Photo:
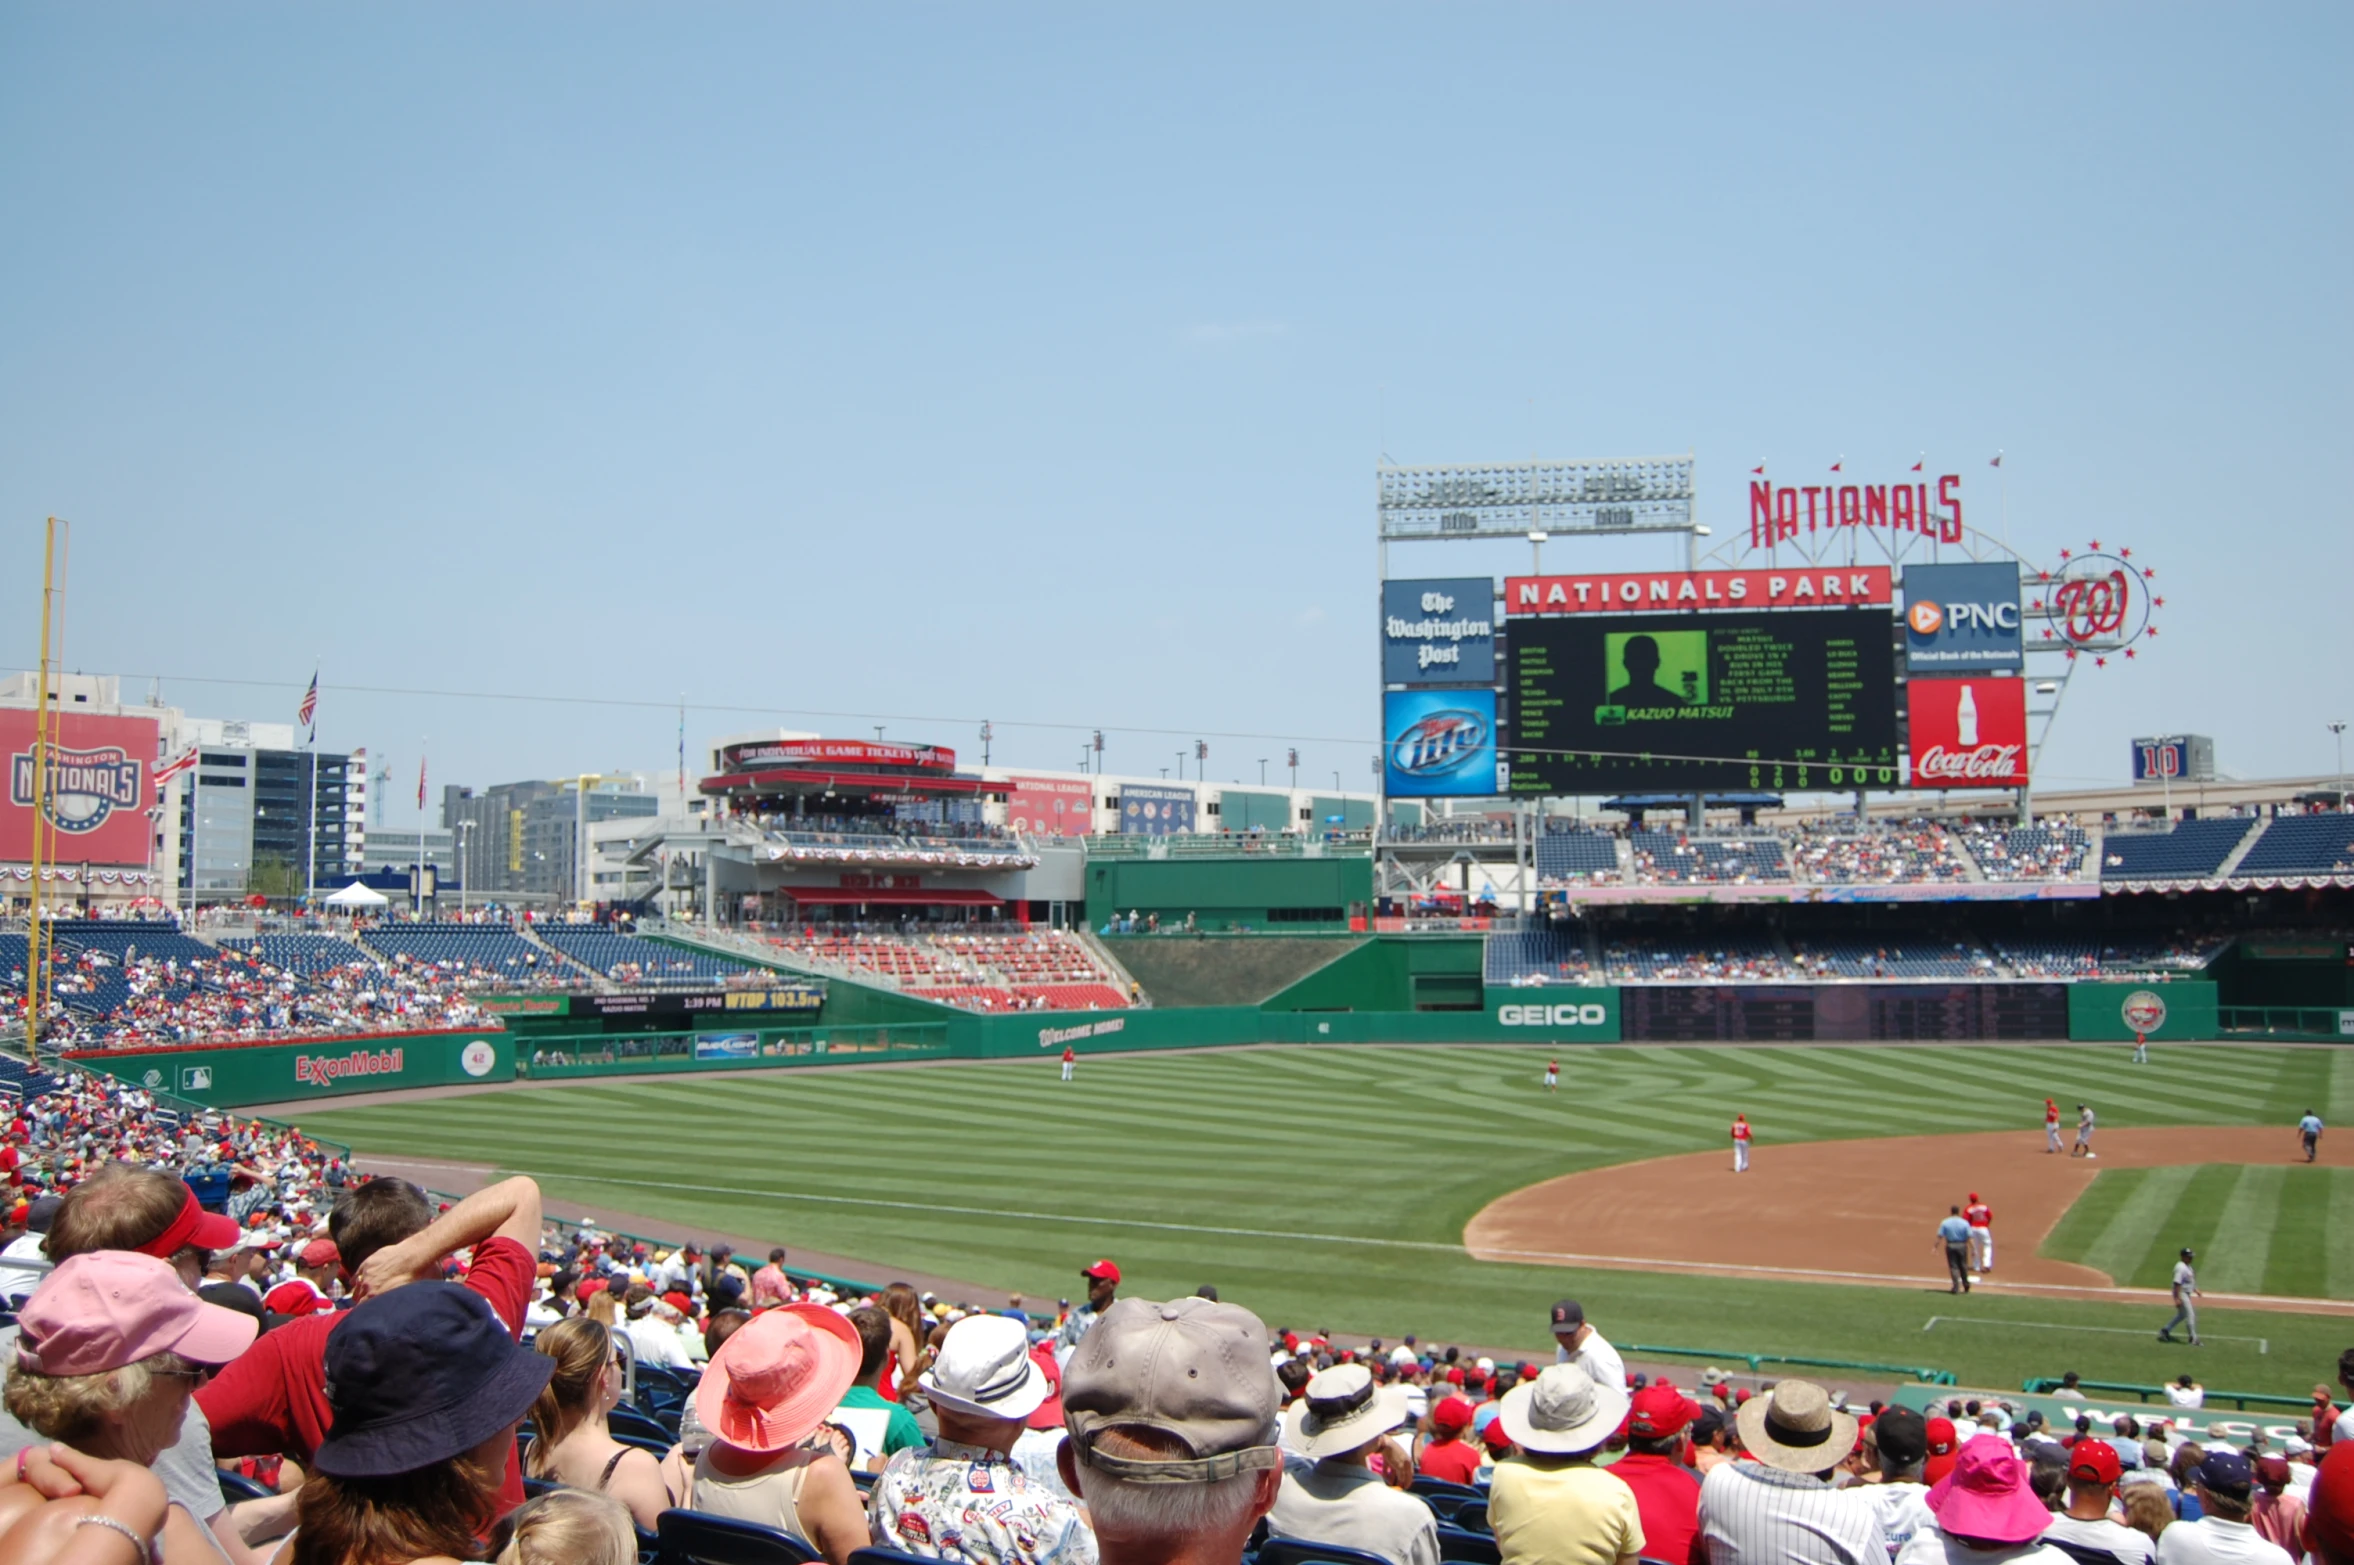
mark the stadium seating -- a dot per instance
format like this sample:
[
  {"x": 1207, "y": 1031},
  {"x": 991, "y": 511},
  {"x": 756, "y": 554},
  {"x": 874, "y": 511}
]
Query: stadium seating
[
  {"x": 302, "y": 954},
  {"x": 152, "y": 940},
  {"x": 628, "y": 959},
  {"x": 478, "y": 950},
  {"x": 1669, "y": 858},
  {"x": 1868, "y": 958},
  {"x": 2192, "y": 850},
  {"x": 1849, "y": 852},
  {"x": 1568, "y": 858},
  {"x": 2011, "y": 853},
  {"x": 1041, "y": 970},
  {"x": 2303, "y": 845},
  {"x": 1729, "y": 958},
  {"x": 1524, "y": 958}
]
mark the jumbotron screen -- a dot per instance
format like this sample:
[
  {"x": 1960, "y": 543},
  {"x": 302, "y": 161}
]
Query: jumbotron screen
[{"x": 1762, "y": 700}]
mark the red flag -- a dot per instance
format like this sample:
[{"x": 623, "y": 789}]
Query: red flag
[
  {"x": 420, "y": 782},
  {"x": 1836, "y": 466},
  {"x": 1916, "y": 467},
  {"x": 1998, "y": 460},
  {"x": 1759, "y": 470}
]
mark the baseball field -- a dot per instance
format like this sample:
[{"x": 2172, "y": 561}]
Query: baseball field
[{"x": 1334, "y": 1187}]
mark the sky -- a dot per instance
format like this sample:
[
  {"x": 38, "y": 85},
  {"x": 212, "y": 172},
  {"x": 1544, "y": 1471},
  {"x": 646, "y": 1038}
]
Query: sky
[{"x": 528, "y": 369}]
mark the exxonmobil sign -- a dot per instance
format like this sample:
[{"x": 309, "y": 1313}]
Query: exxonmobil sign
[
  {"x": 324, "y": 1070},
  {"x": 1620, "y": 592},
  {"x": 1966, "y": 733}
]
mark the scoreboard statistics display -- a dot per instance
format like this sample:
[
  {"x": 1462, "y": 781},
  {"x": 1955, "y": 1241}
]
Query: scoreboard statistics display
[{"x": 1766, "y": 700}]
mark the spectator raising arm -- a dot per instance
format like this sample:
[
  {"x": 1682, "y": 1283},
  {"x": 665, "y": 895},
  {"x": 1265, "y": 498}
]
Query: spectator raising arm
[{"x": 509, "y": 1209}]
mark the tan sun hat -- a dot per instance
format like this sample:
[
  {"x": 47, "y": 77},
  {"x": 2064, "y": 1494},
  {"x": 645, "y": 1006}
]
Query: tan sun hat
[
  {"x": 1342, "y": 1410},
  {"x": 1564, "y": 1409},
  {"x": 1794, "y": 1427}
]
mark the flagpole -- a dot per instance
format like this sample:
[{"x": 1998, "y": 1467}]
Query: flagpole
[{"x": 310, "y": 836}]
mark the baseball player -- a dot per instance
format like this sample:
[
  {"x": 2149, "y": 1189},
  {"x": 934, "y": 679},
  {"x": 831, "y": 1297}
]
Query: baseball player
[
  {"x": 2084, "y": 1120},
  {"x": 2309, "y": 1131},
  {"x": 2051, "y": 1126},
  {"x": 2186, "y": 1288},
  {"x": 1070, "y": 1060},
  {"x": 1980, "y": 1217},
  {"x": 2141, "y": 1048},
  {"x": 1552, "y": 1075},
  {"x": 1740, "y": 1143}
]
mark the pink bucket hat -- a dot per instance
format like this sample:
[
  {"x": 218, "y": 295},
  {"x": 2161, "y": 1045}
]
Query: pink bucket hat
[
  {"x": 778, "y": 1377},
  {"x": 1986, "y": 1495},
  {"x": 109, "y": 1308}
]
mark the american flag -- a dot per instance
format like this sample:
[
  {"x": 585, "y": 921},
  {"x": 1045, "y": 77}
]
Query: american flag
[
  {"x": 173, "y": 768},
  {"x": 310, "y": 703}
]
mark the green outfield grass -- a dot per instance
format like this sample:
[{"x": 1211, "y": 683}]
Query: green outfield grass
[
  {"x": 2257, "y": 1228},
  {"x": 1328, "y": 1187}
]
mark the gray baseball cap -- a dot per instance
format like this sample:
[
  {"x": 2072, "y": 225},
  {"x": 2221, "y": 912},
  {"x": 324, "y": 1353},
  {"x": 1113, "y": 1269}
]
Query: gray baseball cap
[{"x": 1193, "y": 1369}]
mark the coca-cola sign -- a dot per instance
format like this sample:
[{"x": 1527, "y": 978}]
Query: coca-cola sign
[{"x": 1966, "y": 733}]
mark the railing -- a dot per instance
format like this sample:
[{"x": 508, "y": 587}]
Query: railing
[
  {"x": 2287, "y": 1021},
  {"x": 2052, "y": 1385},
  {"x": 1927, "y": 1377}
]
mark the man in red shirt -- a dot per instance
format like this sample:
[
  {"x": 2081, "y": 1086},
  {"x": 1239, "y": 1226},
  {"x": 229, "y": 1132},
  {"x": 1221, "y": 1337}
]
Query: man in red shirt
[
  {"x": 1656, "y": 1467},
  {"x": 1980, "y": 1217},
  {"x": 1449, "y": 1455},
  {"x": 273, "y": 1400},
  {"x": 1740, "y": 1143}
]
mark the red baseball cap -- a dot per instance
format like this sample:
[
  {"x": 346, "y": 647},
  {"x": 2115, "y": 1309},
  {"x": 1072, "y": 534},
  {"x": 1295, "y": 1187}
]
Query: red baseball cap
[
  {"x": 681, "y": 1303},
  {"x": 2094, "y": 1461},
  {"x": 1451, "y": 1413},
  {"x": 1102, "y": 1271},
  {"x": 321, "y": 1252},
  {"x": 1660, "y": 1411},
  {"x": 1455, "y": 1375}
]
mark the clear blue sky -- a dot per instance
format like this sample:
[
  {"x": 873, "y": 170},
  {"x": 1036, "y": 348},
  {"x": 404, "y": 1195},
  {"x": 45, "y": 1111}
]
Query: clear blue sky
[{"x": 1032, "y": 363}]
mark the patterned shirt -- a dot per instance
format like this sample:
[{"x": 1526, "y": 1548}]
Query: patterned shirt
[
  {"x": 965, "y": 1502},
  {"x": 1751, "y": 1514}
]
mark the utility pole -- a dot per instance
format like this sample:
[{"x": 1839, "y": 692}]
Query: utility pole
[
  {"x": 39, "y": 941},
  {"x": 2338, "y": 732},
  {"x": 1262, "y": 771}
]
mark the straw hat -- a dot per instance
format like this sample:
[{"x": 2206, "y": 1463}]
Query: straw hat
[{"x": 1795, "y": 1428}]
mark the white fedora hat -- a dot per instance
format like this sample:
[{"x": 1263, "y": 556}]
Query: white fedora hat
[
  {"x": 1343, "y": 1409},
  {"x": 1563, "y": 1409}
]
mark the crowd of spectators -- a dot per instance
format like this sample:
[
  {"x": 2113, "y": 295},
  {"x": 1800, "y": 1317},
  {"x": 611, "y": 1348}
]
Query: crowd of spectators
[
  {"x": 389, "y": 1378},
  {"x": 981, "y": 967},
  {"x": 1846, "y": 851}
]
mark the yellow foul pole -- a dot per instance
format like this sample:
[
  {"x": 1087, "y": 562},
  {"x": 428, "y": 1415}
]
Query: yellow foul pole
[{"x": 39, "y": 940}]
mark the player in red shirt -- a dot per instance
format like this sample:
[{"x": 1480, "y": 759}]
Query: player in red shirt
[
  {"x": 273, "y": 1400},
  {"x": 2051, "y": 1126},
  {"x": 1980, "y": 1217},
  {"x": 1070, "y": 1060},
  {"x": 1740, "y": 1143}
]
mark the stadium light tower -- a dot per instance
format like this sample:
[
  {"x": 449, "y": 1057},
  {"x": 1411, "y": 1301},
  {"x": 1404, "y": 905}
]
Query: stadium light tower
[
  {"x": 1536, "y": 551},
  {"x": 2338, "y": 732}
]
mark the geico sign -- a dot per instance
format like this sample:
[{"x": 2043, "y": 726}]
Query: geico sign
[{"x": 1552, "y": 1015}]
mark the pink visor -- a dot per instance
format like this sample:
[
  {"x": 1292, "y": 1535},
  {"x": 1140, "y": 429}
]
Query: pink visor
[{"x": 109, "y": 1308}]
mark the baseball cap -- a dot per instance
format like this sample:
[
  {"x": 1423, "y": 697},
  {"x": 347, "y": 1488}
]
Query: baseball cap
[
  {"x": 1451, "y": 1413},
  {"x": 1660, "y": 1411},
  {"x": 2094, "y": 1461},
  {"x": 1568, "y": 1315},
  {"x": 321, "y": 1252},
  {"x": 107, "y": 1308},
  {"x": 1102, "y": 1271},
  {"x": 2225, "y": 1471},
  {"x": 1190, "y": 1369},
  {"x": 2273, "y": 1469},
  {"x": 1902, "y": 1435},
  {"x": 193, "y": 1225}
]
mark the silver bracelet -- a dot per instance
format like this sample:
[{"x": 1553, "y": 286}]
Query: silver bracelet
[{"x": 144, "y": 1546}]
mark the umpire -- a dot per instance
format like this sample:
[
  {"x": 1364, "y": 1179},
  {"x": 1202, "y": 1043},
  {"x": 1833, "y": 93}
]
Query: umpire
[{"x": 1954, "y": 1234}]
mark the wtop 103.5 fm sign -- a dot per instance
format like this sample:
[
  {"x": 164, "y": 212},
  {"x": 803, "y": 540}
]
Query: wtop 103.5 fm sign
[
  {"x": 1439, "y": 744},
  {"x": 1962, "y": 619},
  {"x": 1438, "y": 632}
]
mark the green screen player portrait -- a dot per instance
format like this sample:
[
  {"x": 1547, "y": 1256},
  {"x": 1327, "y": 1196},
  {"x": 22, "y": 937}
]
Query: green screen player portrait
[{"x": 1653, "y": 669}]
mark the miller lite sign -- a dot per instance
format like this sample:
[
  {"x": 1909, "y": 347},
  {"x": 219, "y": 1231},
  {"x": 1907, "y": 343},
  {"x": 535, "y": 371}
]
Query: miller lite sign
[
  {"x": 1439, "y": 744},
  {"x": 1966, "y": 733},
  {"x": 96, "y": 792}
]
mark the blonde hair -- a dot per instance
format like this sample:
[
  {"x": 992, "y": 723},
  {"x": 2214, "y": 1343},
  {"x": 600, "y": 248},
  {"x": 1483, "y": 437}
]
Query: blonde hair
[
  {"x": 603, "y": 1309},
  {"x": 74, "y": 1408},
  {"x": 571, "y": 1527},
  {"x": 581, "y": 1349}
]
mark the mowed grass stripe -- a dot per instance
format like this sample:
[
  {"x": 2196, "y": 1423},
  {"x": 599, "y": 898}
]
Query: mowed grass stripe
[
  {"x": 2239, "y": 1250},
  {"x": 2123, "y": 1241},
  {"x": 2338, "y": 1257},
  {"x": 2297, "y": 1257}
]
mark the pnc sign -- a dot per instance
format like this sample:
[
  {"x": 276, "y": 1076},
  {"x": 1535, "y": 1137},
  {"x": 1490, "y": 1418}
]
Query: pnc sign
[{"x": 1962, "y": 619}]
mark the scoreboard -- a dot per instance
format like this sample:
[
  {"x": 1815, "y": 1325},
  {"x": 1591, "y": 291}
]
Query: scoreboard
[{"x": 1765, "y": 700}]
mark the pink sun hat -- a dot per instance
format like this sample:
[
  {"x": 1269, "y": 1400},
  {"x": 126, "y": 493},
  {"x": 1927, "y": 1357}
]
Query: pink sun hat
[
  {"x": 777, "y": 1378},
  {"x": 102, "y": 1310},
  {"x": 1987, "y": 1496}
]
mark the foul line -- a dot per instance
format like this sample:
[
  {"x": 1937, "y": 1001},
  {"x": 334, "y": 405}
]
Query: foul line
[
  {"x": 2263, "y": 1344},
  {"x": 1645, "y": 1262}
]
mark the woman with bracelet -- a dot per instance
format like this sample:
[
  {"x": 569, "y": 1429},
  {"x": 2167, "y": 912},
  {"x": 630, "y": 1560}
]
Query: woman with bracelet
[
  {"x": 427, "y": 1388},
  {"x": 108, "y": 1350},
  {"x": 61, "y": 1507}
]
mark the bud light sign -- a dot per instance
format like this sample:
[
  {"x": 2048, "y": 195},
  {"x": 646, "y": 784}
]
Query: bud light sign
[
  {"x": 1961, "y": 619},
  {"x": 1439, "y": 744},
  {"x": 1966, "y": 733}
]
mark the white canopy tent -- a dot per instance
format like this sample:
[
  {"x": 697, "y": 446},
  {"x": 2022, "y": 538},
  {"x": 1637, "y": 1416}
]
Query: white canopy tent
[{"x": 356, "y": 897}]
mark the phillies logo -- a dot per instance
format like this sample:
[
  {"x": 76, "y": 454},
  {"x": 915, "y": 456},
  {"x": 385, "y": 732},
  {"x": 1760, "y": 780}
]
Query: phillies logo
[
  {"x": 82, "y": 789},
  {"x": 1987, "y": 763}
]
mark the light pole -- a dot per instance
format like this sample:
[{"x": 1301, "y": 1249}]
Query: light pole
[
  {"x": 465, "y": 867},
  {"x": 1262, "y": 771},
  {"x": 1536, "y": 551},
  {"x": 2338, "y": 732}
]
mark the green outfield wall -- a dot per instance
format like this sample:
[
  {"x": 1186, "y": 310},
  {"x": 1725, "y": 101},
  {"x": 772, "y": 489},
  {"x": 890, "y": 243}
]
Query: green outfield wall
[
  {"x": 1265, "y": 894},
  {"x": 2115, "y": 1012},
  {"x": 233, "y": 1075}
]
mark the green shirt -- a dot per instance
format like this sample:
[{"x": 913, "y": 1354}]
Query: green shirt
[{"x": 899, "y": 1428}]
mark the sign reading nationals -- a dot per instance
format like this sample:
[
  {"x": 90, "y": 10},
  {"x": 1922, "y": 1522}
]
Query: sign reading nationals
[
  {"x": 1655, "y": 590},
  {"x": 1779, "y": 511}
]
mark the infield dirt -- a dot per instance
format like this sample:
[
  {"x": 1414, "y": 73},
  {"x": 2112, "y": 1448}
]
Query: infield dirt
[{"x": 1856, "y": 1211}]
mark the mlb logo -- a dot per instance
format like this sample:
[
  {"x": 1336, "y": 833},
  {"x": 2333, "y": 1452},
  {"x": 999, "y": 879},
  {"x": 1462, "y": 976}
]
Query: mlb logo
[{"x": 196, "y": 1078}]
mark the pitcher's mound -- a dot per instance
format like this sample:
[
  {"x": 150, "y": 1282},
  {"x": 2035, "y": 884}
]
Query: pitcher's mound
[{"x": 1846, "y": 1211}]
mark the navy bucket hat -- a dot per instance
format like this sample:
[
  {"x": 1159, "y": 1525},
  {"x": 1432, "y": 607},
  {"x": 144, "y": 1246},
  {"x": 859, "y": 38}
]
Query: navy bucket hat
[{"x": 419, "y": 1375}]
